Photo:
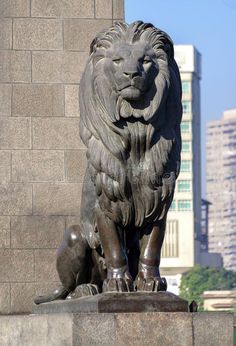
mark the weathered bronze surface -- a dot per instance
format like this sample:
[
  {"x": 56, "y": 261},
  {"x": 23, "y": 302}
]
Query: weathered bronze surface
[{"x": 130, "y": 113}]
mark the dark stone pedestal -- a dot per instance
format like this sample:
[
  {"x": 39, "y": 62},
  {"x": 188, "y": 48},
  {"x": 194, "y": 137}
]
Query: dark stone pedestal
[{"x": 117, "y": 303}]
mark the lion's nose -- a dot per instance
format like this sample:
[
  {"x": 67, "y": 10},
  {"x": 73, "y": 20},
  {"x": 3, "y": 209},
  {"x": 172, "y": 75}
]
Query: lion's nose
[
  {"x": 131, "y": 68},
  {"x": 131, "y": 74}
]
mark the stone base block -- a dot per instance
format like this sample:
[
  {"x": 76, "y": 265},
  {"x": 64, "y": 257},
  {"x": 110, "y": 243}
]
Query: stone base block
[{"x": 118, "y": 329}]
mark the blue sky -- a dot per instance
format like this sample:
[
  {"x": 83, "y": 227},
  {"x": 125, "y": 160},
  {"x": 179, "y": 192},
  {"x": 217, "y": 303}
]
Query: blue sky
[{"x": 210, "y": 25}]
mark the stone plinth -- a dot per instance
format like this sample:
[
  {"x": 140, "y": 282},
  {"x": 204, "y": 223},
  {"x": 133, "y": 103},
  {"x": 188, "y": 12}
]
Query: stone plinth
[
  {"x": 118, "y": 329},
  {"x": 117, "y": 303}
]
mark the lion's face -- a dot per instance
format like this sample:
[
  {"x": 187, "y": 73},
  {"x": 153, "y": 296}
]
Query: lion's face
[
  {"x": 131, "y": 68},
  {"x": 129, "y": 74}
]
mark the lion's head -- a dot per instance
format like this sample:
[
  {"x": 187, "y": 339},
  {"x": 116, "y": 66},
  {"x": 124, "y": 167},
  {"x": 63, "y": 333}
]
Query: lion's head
[
  {"x": 131, "y": 65},
  {"x": 130, "y": 72}
]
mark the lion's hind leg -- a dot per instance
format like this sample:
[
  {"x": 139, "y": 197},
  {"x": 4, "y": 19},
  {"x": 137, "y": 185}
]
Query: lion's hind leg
[
  {"x": 71, "y": 265},
  {"x": 74, "y": 259},
  {"x": 83, "y": 290},
  {"x": 59, "y": 293}
]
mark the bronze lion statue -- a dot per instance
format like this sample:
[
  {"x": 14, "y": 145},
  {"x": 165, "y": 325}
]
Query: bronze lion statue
[{"x": 130, "y": 109}]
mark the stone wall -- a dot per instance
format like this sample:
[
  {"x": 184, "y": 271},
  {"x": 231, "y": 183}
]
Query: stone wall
[
  {"x": 43, "y": 49},
  {"x": 106, "y": 329}
]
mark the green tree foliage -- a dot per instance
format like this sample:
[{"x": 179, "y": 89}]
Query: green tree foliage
[{"x": 200, "y": 279}]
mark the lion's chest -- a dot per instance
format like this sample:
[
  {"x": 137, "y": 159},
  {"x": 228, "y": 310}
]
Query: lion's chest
[
  {"x": 138, "y": 158},
  {"x": 142, "y": 177},
  {"x": 128, "y": 190}
]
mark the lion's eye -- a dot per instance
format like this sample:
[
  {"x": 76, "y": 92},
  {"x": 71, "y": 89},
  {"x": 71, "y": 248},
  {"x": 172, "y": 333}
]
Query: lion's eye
[
  {"x": 146, "y": 60},
  {"x": 117, "y": 60}
]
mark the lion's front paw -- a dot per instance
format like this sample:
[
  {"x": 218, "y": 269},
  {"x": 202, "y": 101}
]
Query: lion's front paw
[
  {"x": 118, "y": 285},
  {"x": 153, "y": 284},
  {"x": 83, "y": 291}
]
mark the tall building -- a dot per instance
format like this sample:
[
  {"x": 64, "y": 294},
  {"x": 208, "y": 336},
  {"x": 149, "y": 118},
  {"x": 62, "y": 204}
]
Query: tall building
[
  {"x": 221, "y": 186},
  {"x": 182, "y": 244},
  {"x": 204, "y": 225}
]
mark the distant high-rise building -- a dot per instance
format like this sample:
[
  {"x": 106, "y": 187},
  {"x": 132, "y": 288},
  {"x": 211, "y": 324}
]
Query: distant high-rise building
[
  {"x": 221, "y": 186},
  {"x": 182, "y": 245},
  {"x": 204, "y": 225}
]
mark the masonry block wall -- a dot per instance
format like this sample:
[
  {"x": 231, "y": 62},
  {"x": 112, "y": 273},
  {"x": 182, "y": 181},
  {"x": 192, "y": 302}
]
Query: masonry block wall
[{"x": 43, "y": 48}]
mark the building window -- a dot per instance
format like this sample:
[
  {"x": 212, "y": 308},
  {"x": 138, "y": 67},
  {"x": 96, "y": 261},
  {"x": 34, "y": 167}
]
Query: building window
[
  {"x": 186, "y": 87},
  {"x": 173, "y": 206},
  {"x": 185, "y": 166},
  {"x": 186, "y": 107},
  {"x": 184, "y": 185},
  {"x": 170, "y": 246},
  {"x": 186, "y": 146},
  {"x": 185, "y": 205},
  {"x": 185, "y": 126}
]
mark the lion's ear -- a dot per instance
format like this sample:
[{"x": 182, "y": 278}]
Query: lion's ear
[
  {"x": 169, "y": 50},
  {"x": 96, "y": 42},
  {"x": 93, "y": 46},
  {"x": 167, "y": 45}
]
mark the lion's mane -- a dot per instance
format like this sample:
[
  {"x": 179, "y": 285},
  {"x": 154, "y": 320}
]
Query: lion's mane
[{"x": 120, "y": 135}]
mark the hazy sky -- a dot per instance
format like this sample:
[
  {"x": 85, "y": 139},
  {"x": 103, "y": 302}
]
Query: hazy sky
[{"x": 210, "y": 25}]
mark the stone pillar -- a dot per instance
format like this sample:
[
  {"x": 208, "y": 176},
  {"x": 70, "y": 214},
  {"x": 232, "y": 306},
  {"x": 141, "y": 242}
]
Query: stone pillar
[{"x": 43, "y": 49}]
